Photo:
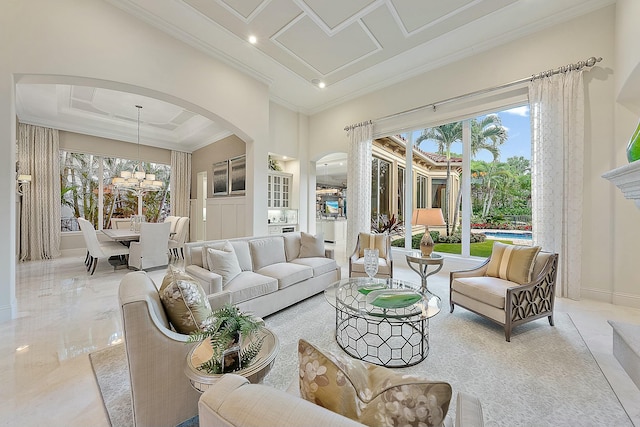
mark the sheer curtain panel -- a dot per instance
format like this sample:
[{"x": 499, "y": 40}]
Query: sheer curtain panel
[
  {"x": 180, "y": 182},
  {"x": 38, "y": 154},
  {"x": 557, "y": 133},
  {"x": 359, "y": 182}
]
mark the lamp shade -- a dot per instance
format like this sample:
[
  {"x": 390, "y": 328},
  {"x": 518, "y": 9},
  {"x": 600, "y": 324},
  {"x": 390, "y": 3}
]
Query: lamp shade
[{"x": 427, "y": 216}]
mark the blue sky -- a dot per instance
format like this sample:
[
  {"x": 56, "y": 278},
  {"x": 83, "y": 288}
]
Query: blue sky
[{"x": 516, "y": 120}]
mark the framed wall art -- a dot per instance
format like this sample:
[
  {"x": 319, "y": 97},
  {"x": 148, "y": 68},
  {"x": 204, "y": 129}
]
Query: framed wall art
[
  {"x": 237, "y": 175},
  {"x": 221, "y": 178}
]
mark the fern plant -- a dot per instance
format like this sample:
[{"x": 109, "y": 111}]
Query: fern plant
[{"x": 226, "y": 326}]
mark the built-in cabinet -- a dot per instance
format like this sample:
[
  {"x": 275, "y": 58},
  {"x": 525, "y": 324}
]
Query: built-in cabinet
[{"x": 279, "y": 189}]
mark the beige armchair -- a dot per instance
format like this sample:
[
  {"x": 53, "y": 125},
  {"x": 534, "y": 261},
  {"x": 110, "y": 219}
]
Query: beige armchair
[
  {"x": 505, "y": 302},
  {"x": 152, "y": 249},
  {"x": 161, "y": 393},
  {"x": 382, "y": 242}
]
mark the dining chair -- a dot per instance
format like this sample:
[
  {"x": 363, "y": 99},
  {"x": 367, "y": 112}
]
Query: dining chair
[
  {"x": 121, "y": 223},
  {"x": 97, "y": 249},
  {"x": 173, "y": 220},
  {"x": 151, "y": 250},
  {"x": 178, "y": 240}
]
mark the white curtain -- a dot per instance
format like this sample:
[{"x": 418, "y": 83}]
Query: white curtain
[
  {"x": 38, "y": 155},
  {"x": 557, "y": 132},
  {"x": 359, "y": 182},
  {"x": 180, "y": 183}
]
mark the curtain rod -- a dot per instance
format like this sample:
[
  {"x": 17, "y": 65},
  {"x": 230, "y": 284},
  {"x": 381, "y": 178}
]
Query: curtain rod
[
  {"x": 564, "y": 69},
  {"x": 357, "y": 125}
]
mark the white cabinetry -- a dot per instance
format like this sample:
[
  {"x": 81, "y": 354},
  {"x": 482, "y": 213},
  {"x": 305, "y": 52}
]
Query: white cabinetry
[{"x": 279, "y": 190}]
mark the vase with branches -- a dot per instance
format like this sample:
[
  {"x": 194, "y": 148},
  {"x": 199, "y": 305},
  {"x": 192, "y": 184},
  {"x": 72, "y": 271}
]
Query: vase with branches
[{"x": 227, "y": 328}]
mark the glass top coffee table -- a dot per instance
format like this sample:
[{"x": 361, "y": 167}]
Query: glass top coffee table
[{"x": 385, "y": 322}]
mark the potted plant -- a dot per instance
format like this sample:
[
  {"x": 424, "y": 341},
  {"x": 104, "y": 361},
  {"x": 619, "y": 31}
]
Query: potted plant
[{"x": 226, "y": 329}]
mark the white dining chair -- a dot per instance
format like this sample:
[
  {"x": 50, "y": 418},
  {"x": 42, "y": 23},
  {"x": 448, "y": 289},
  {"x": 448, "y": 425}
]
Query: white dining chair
[
  {"x": 177, "y": 241},
  {"x": 151, "y": 250},
  {"x": 97, "y": 249}
]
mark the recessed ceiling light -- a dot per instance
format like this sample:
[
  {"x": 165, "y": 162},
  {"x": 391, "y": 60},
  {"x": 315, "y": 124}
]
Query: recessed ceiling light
[
  {"x": 318, "y": 83},
  {"x": 253, "y": 39},
  {"x": 284, "y": 157}
]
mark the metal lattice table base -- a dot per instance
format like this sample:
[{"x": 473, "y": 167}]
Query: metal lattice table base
[{"x": 385, "y": 341}]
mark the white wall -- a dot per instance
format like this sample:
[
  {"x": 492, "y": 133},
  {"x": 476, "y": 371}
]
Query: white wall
[
  {"x": 91, "y": 42},
  {"x": 608, "y": 271}
]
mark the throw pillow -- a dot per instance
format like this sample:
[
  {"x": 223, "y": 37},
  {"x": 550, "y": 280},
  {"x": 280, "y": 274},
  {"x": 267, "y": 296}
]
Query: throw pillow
[
  {"x": 311, "y": 246},
  {"x": 184, "y": 301},
  {"x": 370, "y": 394},
  {"x": 224, "y": 262},
  {"x": 512, "y": 262},
  {"x": 373, "y": 241}
]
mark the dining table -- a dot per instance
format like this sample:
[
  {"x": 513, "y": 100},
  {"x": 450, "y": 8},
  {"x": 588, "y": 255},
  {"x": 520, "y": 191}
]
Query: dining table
[{"x": 122, "y": 235}]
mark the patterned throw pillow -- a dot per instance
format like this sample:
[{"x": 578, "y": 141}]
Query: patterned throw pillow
[
  {"x": 184, "y": 301},
  {"x": 512, "y": 262},
  {"x": 370, "y": 394},
  {"x": 311, "y": 246}
]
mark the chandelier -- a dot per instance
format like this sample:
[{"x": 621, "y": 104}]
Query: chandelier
[{"x": 137, "y": 180}]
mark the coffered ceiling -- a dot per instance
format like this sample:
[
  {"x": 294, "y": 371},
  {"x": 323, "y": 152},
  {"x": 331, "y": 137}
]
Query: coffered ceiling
[{"x": 353, "y": 46}]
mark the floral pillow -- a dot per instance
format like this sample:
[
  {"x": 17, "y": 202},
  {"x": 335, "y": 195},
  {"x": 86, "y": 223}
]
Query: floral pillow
[
  {"x": 370, "y": 394},
  {"x": 184, "y": 301}
]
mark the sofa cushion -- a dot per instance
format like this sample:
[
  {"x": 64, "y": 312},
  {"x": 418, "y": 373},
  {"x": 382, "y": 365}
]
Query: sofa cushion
[
  {"x": 240, "y": 247},
  {"x": 512, "y": 262},
  {"x": 311, "y": 246},
  {"x": 320, "y": 265},
  {"x": 373, "y": 241},
  {"x": 287, "y": 273},
  {"x": 489, "y": 290},
  {"x": 370, "y": 394},
  {"x": 267, "y": 251},
  {"x": 184, "y": 301},
  {"x": 248, "y": 285},
  {"x": 292, "y": 245},
  {"x": 223, "y": 262}
]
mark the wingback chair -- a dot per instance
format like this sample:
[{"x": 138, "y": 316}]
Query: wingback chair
[
  {"x": 382, "y": 242},
  {"x": 151, "y": 250},
  {"x": 97, "y": 249},
  {"x": 506, "y": 302},
  {"x": 160, "y": 391},
  {"x": 177, "y": 241}
]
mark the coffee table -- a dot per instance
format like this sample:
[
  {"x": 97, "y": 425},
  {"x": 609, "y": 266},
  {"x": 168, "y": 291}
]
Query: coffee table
[
  {"x": 383, "y": 321},
  {"x": 255, "y": 373}
]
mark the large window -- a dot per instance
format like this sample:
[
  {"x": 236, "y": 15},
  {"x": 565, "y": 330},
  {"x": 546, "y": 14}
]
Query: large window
[
  {"x": 421, "y": 191},
  {"x": 86, "y": 191},
  {"x": 380, "y": 188}
]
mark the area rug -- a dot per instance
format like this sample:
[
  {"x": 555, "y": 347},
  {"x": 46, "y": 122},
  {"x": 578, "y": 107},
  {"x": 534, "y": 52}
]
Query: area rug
[{"x": 544, "y": 376}]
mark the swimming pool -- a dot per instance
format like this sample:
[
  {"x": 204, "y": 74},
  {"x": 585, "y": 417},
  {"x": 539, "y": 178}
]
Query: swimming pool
[{"x": 508, "y": 235}]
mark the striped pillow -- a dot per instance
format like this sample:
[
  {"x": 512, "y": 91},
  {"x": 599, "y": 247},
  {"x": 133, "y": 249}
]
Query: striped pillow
[{"x": 512, "y": 262}]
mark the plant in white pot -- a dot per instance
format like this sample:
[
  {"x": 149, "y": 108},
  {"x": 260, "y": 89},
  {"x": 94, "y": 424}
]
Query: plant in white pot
[{"x": 227, "y": 328}]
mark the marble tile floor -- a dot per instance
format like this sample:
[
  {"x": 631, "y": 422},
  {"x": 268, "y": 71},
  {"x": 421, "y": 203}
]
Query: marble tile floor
[{"x": 64, "y": 314}]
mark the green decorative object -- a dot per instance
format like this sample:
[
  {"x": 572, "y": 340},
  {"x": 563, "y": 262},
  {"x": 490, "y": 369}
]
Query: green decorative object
[
  {"x": 365, "y": 289},
  {"x": 633, "y": 149},
  {"x": 395, "y": 299}
]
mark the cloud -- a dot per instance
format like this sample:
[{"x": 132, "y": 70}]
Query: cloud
[{"x": 519, "y": 111}]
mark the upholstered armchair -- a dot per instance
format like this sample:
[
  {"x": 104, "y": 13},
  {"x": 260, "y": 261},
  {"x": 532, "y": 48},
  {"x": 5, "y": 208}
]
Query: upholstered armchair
[
  {"x": 152, "y": 249},
  {"x": 161, "y": 393},
  {"x": 505, "y": 301},
  {"x": 382, "y": 242}
]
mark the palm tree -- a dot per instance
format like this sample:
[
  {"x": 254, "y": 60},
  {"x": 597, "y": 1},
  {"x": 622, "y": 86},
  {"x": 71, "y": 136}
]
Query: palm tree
[{"x": 444, "y": 136}]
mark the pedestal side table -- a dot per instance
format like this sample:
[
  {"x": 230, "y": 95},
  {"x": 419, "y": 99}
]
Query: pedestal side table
[{"x": 421, "y": 265}]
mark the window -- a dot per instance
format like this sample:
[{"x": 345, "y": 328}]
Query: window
[
  {"x": 86, "y": 191},
  {"x": 438, "y": 189},
  {"x": 380, "y": 188},
  {"x": 421, "y": 191},
  {"x": 401, "y": 191}
]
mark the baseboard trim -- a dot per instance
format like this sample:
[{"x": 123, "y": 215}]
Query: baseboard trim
[
  {"x": 6, "y": 313},
  {"x": 615, "y": 298}
]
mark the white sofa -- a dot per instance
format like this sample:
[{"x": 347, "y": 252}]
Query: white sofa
[
  {"x": 234, "y": 402},
  {"x": 274, "y": 274}
]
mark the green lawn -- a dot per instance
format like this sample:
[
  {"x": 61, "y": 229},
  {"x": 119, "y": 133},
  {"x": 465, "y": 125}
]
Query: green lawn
[{"x": 477, "y": 249}]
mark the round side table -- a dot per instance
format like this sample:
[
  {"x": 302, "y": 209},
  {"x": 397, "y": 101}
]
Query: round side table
[
  {"x": 421, "y": 265},
  {"x": 260, "y": 367}
]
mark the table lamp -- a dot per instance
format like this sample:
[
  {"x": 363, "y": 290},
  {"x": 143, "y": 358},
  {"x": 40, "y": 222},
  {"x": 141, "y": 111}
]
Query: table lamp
[{"x": 427, "y": 217}]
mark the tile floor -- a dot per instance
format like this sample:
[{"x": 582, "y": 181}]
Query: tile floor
[{"x": 64, "y": 314}]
